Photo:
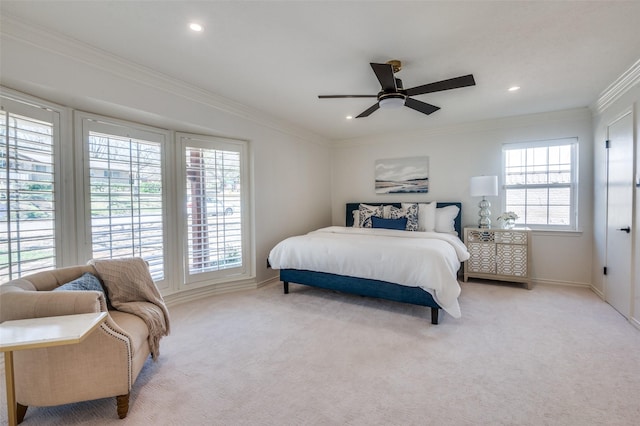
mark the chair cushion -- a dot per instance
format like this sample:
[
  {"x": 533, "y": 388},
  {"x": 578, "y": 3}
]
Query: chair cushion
[{"x": 134, "y": 326}]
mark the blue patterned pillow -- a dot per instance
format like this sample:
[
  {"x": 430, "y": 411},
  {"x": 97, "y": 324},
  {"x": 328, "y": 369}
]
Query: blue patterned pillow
[
  {"x": 86, "y": 282},
  {"x": 411, "y": 213},
  {"x": 412, "y": 217},
  {"x": 400, "y": 223},
  {"x": 366, "y": 212},
  {"x": 396, "y": 212}
]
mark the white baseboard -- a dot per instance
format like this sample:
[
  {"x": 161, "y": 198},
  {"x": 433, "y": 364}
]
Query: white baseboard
[
  {"x": 215, "y": 289},
  {"x": 210, "y": 290},
  {"x": 556, "y": 282},
  {"x": 269, "y": 281},
  {"x": 598, "y": 292},
  {"x": 635, "y": 322}
]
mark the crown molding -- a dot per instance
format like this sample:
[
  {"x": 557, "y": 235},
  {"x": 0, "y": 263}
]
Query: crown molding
[
  {"x": 58, "y": 44},
  {"x": 619, "y": 87},
  {"x": 480, "y": 126}
]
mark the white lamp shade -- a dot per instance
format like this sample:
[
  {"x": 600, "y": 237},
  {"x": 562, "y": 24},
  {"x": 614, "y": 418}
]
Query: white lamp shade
[{"x": 484, "y": 186}]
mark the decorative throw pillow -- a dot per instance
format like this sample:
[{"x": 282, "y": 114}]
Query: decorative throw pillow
[
  {"x": 411, "y": 213},
  {"x": 366, "y": 212},
  {"x": 445, "y": 217},
  {"x": 396, "y": 213},
  {"x": 399, "y": 224},
  {"x": 86, "y": 282}
]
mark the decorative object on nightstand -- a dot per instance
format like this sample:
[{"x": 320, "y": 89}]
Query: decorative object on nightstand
[
  {"x": 499, "y": 254},
  {"x": 484, "y": 186},
  {"x": 508, "y": 220}
]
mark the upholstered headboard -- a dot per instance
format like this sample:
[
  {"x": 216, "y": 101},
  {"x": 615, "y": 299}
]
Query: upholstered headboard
[{"x": 457, "y": 224}]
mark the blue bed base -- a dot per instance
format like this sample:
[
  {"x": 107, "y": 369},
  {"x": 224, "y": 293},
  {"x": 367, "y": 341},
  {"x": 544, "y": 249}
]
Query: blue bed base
[{"x": 366, "y": 287}]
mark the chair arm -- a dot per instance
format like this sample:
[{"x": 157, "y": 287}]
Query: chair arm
[{"x": 36, "y": 304}]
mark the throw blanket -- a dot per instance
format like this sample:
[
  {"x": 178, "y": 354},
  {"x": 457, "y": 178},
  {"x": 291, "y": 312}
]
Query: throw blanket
[{"x": 129, "y": 285}]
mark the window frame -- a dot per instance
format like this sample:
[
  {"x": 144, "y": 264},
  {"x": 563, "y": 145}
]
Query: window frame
[
  {"x": 573, "y": 142},
  {"x": 245, "y": 272},
  {"x": 64, "y": 215},
  {"x": 86, "y": 122}
]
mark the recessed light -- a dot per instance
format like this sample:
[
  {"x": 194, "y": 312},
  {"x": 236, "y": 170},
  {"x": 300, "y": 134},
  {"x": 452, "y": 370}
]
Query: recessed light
[
  {"x": 196, "y": 27},
  {"x": 514, "y": 88},
  {"x": 349, "y": 117}
]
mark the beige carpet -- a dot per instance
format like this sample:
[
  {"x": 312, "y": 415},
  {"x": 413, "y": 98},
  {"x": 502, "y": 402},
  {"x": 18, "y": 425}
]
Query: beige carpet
[{"x": 549, "y": 356}]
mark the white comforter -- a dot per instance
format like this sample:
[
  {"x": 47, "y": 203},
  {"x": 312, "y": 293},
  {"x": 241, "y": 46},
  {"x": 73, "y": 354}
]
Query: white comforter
[{"x": 428, "y": 260}]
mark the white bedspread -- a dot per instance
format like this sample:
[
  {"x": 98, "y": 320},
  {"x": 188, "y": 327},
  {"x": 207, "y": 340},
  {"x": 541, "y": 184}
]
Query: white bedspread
[{"x": 428, "y": 260}]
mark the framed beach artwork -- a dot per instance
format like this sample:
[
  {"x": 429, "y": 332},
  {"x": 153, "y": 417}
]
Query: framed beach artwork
[{"x": 402, "y": 175}]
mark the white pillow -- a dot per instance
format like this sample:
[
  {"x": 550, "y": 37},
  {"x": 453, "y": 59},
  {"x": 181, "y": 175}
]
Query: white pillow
[
  {"x": 356, "y": 218},
  {"x": 445, "y": 217},
  {"x": 426, "y": 216},
  {"x": 386, "y": 211}
]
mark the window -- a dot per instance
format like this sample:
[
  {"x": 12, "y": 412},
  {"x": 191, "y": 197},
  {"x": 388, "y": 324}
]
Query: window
[
  {"x": 28, "y": 141},
  {"x": 540, "y": 180},
  {"x": 216, "y": 237},
  {"x": 104, "y": 188},
  {"x": 125, "y": 191}
]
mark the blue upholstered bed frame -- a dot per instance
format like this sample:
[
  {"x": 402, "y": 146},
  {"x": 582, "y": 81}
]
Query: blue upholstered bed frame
[{"x": 367, "y": 287}]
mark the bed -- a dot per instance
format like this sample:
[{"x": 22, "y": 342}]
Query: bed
[{"x": 424, "y": 291}]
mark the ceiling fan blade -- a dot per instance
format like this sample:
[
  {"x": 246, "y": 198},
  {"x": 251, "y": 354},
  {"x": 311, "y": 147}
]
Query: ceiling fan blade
[
  {"x": 346, "y": 96},
  {"x": 420, "y": 106},
  {"x": 384, "y": 72},
  {"x": 452, "y": 83},
  {"x": 368, "y": 112}
]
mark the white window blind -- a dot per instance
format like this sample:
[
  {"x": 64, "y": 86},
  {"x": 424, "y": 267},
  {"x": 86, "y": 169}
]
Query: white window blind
[
  {"x": 125, "y": 196},
  {"x": 27, "y": 190},
  {"x": 540, "y": 183},
  {"x": 215, "y": 236}
]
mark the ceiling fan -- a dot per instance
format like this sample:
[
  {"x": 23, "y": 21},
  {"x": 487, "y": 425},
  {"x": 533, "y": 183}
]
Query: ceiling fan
[{"x": 393, "y": 95}]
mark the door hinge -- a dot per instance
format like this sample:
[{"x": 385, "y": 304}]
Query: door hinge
[
  {"x": 604, "y": 270},
  {"x": 607, "y": 144}
]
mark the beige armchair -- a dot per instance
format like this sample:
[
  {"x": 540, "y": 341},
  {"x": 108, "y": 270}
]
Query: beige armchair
[{"x": 105, "y": 364}]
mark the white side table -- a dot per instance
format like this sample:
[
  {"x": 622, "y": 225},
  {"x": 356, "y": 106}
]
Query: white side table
[{"x": 43, "y": 332}]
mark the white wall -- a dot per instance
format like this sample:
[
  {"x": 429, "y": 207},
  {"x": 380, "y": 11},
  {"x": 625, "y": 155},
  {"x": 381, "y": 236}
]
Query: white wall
[
  {"x": 290, "y": 167},
  {"x": 458, "y": 153},
  {"x": 605, "y": 115}
]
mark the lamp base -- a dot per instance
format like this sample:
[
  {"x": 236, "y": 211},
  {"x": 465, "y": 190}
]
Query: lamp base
[{"x": 484, "y": 213}]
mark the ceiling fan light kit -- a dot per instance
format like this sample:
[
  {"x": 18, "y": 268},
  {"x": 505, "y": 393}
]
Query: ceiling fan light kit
[
  {"x": 391, "y": 102},
  {"x": 393, "y": 95}
]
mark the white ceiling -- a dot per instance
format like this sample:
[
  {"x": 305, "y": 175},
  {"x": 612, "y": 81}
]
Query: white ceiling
[{"x": 279, "y": 56}]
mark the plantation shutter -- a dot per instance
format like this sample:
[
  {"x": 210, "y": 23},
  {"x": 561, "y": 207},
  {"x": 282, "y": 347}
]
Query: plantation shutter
[
  {"x": 126, "y": 194},
  {"x": 215, "y": 236},
  {"x": 28, "y": 141}
]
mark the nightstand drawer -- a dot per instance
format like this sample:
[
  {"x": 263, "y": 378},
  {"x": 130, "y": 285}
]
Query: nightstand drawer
[
  {"x": 511, "y": 237},
  {"x": 478, "y": 236}
]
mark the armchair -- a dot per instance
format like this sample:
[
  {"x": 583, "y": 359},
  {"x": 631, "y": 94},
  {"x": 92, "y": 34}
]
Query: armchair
[{"x": 105, "y": 364}]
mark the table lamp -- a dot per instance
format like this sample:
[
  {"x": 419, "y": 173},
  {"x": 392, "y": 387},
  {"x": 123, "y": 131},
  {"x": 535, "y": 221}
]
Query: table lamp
[{"x": 484, "y": 186}]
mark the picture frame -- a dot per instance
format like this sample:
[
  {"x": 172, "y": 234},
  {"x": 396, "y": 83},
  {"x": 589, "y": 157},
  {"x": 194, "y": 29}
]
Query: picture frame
[{"x": 402, "y": 175}]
